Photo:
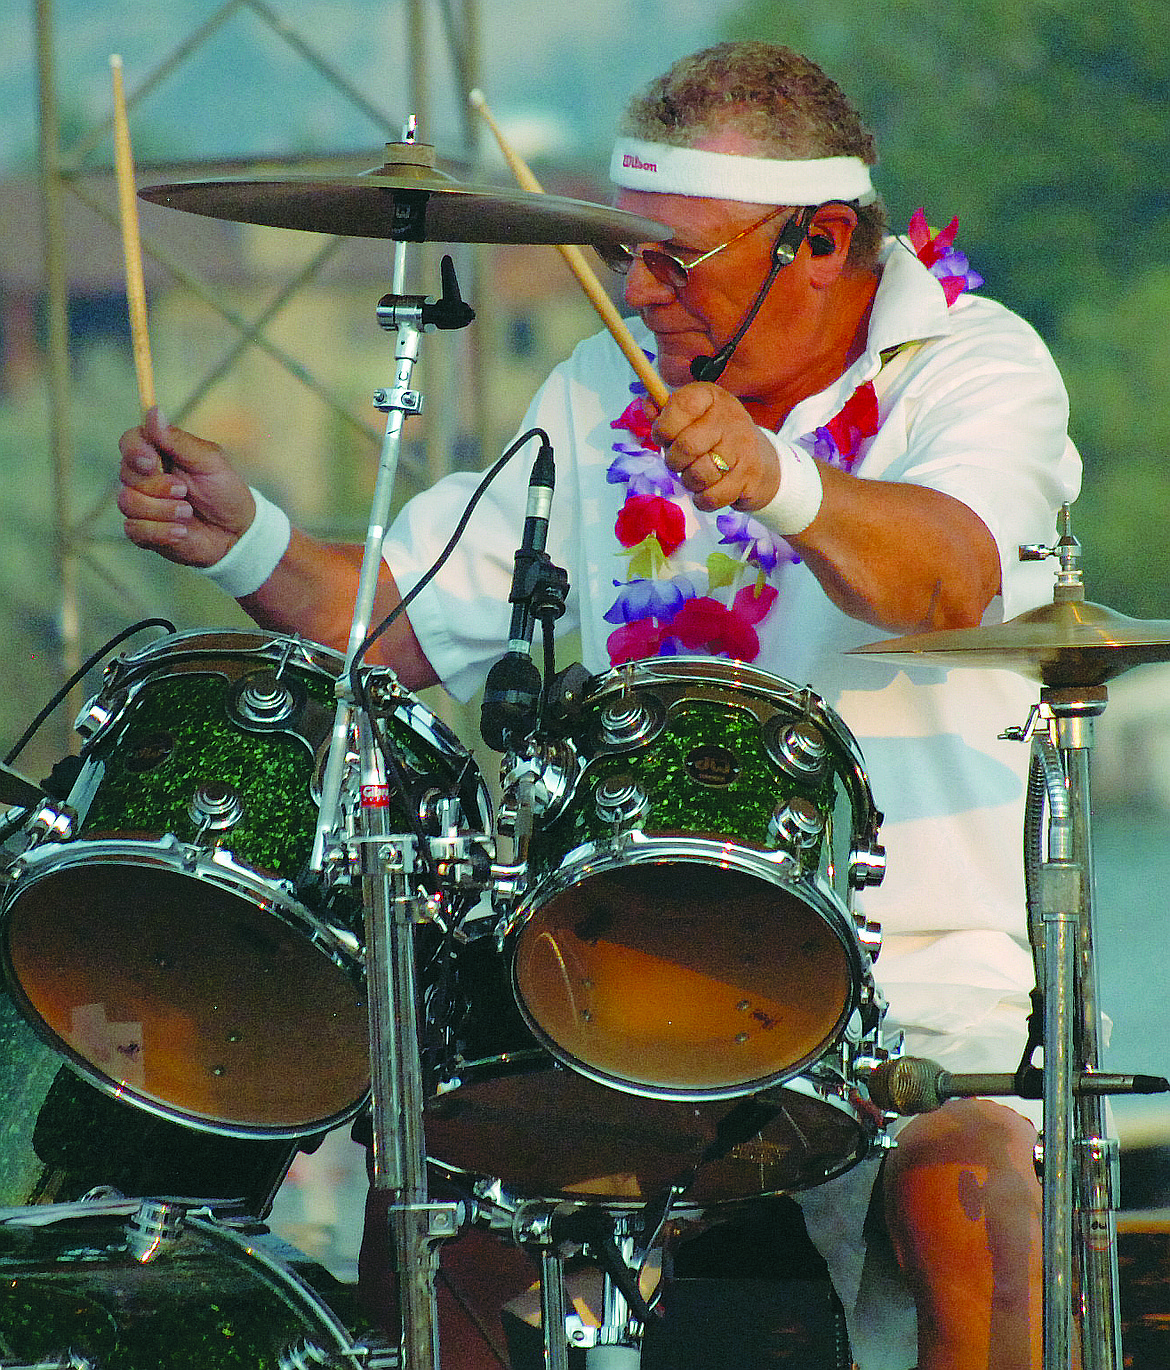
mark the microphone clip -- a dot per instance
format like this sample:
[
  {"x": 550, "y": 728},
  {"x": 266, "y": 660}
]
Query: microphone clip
[
  {"x": 512, "y": 695},
  {"x": 539, "y": 585}
]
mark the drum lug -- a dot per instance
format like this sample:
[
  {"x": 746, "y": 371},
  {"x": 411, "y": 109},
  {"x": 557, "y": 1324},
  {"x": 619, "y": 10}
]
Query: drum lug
[
  {"x": 52, "y": 822},
  {"x": 215, "y": 808},
  {"x": 97, "y": 715},
  {"x": 800, "y": 750},
  {"x": 153, "y": 1228},
  {"x": 869, "y": 934},
  {"x": 867, "y": 866},
  {"x": 797, "y": 825},
  {"x": 628, "y": 722},
  {"x": 263, "y": 700},
  {"x": 620, "y": 801}
]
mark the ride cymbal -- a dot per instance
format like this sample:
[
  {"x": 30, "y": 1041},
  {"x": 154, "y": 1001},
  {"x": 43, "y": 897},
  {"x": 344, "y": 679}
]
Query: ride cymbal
[
  {"x": 1067, "y": 642},
  {"x": 407, "y": 199}
]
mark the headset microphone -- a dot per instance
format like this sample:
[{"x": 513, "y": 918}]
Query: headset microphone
[{"x": 784, "y": 252}]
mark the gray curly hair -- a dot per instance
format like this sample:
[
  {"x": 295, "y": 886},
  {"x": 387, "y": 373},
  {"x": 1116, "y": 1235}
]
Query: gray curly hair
[{"x": 779, "y": 99}]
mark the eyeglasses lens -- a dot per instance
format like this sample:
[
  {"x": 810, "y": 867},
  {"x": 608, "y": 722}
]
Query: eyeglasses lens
[{"x": 661, "y": 265}]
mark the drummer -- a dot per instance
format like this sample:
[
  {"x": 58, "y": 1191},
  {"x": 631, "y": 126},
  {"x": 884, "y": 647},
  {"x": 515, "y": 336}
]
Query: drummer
[{"x": 869, "y": 444}]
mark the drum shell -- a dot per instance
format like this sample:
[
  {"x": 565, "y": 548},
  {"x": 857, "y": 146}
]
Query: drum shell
[
  {"x": 499, "y": 1105},
  {"x": 204, "y": 1299},
  {"x": 192, "y": 964}
]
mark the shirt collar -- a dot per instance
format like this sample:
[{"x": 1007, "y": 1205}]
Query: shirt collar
[{"x": 909, "y": 305}]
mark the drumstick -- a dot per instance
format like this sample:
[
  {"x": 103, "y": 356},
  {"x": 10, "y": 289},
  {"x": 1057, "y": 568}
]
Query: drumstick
[
  {"x": 131, "y": 244},
  {"x": 580, "y": 268}
]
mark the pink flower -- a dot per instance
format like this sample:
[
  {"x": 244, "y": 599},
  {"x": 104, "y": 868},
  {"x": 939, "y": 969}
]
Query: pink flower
[
  {"x": 930, "y": 248},
  {"x": 753, "y": 605},
  {"x": 706, "y": 625},
  {"x": 857, "y": 420},
  {"x": 941, "y": 258},
  {"x": 643, "y": 515},
  {"x": 635, "y": 420},
  {"x": 635, "y": 641}
]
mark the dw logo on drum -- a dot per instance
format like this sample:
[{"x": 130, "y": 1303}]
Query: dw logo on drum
[{"x": 712, "y": 765}]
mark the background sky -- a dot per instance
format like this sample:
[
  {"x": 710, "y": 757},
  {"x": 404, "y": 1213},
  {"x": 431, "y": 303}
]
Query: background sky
[{"x": 568, "y": 78}]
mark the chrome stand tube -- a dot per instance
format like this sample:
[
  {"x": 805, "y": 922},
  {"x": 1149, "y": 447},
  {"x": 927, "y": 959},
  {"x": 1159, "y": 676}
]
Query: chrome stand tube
[
  {"x": 1080, "y": 1161},
  {"x": 553, "y": 1310},
  {"x": 398, "y": 403},
  {"x": 400, "y": 1166}
]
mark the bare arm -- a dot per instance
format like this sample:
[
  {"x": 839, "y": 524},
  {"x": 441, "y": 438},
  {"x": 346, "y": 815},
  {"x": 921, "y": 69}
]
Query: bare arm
[
  {"x": 193, "y": 512},
  {"x": 898, "y": 556},
  {"x": 313, "y": 591}
]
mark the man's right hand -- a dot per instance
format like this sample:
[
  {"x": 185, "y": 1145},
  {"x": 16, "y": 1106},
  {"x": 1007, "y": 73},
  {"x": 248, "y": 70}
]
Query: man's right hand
[{"x": 178, "y": 494}]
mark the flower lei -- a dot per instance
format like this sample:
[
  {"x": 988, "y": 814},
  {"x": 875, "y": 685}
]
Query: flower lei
[{"x": 663, "y": 611}]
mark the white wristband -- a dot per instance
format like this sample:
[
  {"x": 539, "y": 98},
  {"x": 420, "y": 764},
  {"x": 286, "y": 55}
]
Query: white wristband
[
  {"x": 798, "y": 501},
  {"x": 253, "y": 557}
]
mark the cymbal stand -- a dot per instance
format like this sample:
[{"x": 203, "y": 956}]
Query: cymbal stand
[
  {"x": 1080, "y": 1163},
  {"x": 393, "y": 900}
]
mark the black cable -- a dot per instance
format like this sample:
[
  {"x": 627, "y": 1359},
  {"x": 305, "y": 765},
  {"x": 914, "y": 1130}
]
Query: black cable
[
  {"x": 358, "y": 686},
  {"x": 79, "y": 675},
  {"x": 481, "y": 489}
]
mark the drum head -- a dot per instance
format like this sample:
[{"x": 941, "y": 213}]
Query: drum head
[
  {"x": 179, "y": 994},
  {"x": 686, "y": 979}
]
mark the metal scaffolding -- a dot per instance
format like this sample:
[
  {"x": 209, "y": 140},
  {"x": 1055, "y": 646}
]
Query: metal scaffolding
[{"x": 66, "y": 170}]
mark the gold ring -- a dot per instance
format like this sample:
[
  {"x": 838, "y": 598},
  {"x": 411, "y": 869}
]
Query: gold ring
[{"x": 718, "y": 463}]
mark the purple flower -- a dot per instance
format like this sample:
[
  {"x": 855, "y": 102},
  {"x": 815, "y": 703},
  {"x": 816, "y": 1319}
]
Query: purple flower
[
  {"x": 822, "y": 445},
  {"x": 643, "y": 471},
  {"x": 765, "y": 549},
  {"x": 639, "y": 599},
  {"x": 955, "y": 264}
]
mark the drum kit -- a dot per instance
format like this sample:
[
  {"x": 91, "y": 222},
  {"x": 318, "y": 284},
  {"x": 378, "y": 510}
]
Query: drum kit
[{"x": 276, "y": 895}]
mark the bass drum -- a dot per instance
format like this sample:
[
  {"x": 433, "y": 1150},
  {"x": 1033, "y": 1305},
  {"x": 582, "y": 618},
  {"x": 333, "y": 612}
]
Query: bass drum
[
  {"x": 177, "y": 948},
  {"x": 102, "y": 1289},
  {"x": 61, "y": 1138},
  {"x": 500, "y": 1106}
]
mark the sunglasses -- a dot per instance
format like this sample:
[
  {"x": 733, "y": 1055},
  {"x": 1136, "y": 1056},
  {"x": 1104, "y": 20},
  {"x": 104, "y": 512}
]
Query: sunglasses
[{"x": 664, "y": 266}]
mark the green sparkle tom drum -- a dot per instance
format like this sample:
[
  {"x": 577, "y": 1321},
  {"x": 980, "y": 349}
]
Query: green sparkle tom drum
[
  {"x": 685, "y": 927},
  {"x": 177, "y": 948}
]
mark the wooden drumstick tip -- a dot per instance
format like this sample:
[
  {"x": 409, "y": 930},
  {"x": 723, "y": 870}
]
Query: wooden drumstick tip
[{"x": 476, "y": 99}]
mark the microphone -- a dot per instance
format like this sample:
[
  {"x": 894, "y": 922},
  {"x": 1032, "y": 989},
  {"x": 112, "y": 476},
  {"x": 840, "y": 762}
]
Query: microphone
[
  {"x": 913, "y": 1084},
  {"x": 512, "y": 690},
  {"x": 784, "y": 252}
]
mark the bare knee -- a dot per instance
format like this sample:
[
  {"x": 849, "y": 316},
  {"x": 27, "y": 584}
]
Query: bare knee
[
  {"x": 962, "y": 1205},
  {"x": 962, "y": 1177}
]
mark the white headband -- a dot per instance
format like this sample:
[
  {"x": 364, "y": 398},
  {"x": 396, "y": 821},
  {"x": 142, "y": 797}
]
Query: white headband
[{"x": 669, "y": 170}]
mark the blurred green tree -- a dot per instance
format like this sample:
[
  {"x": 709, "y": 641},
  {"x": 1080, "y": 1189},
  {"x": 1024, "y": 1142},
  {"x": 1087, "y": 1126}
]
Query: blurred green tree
[{"x": 1042, "y": 125}]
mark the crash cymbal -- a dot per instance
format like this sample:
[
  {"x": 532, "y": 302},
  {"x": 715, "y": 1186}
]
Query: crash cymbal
[
  {"x": 1066, "y": 643},
  {"x": 407, "y": 199}
]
